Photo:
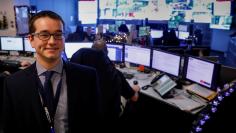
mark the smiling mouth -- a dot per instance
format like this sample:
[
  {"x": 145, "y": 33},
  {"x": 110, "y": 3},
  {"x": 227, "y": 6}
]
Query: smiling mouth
[{"x": 53, "y": 49}]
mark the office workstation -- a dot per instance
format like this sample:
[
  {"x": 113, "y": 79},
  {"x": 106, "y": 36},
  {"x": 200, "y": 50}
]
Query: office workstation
[
  {"x": 179, "y": 76},
  {"x": 174, "y": 94}
]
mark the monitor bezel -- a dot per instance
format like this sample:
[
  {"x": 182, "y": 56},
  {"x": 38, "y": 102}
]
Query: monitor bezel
[
  {"x": 167, "y": 52},
  {"x": 123, "y": 51},
  {"x": 77, "y": 49},
  {"x": 12, "y": 37},
  {"x": 25, "y": 47},
  {"x": 149, "y": 66},
  {"x": 215, "y": 76}
]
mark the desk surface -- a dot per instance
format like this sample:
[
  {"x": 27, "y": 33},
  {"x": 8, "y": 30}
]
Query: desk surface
[{"x": 181, "y": 100}]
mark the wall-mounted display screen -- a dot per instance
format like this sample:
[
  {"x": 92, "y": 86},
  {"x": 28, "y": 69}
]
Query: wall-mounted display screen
[
  {"x": 87, "y": 11},
  {"x": 182, "y": 10}
]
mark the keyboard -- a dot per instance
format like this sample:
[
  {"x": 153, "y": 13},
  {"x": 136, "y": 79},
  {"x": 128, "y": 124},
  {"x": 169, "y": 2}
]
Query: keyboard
[
  {"x": 128, "y": 75},
  {"x": 12, "y": 63}
]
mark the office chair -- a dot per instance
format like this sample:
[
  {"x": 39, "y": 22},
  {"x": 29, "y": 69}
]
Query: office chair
[
  {"x": 227, "y": 74},
  {"x": 3, "y": 75},
  {"x": 211, "y": 58},
  {"x": 109, "y": 79}
]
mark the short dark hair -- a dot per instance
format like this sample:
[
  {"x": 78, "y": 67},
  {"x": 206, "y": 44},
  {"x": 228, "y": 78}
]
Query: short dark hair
[
  {"x": 42, "y": 14},
  {"x": 100, "y": 45}
]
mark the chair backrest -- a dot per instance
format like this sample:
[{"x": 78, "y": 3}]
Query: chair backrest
[
  {"x": 3, "y": 75},
  {"x": 211, "y": 58},
  {"x": 108, "y": 77},
  {"x": 227, "y": 74}
]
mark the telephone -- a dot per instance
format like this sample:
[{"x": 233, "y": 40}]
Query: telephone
[
  {"x": 163, "y": 84},
  {"x": 154, "y": 80}
]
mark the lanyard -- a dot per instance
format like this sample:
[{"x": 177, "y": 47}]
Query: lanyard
[{"x": 42, "y": 93}]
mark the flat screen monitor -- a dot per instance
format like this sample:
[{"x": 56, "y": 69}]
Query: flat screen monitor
[
  {"x": 183, "y": 35},
  {"x": 221, "y": 22},
  {"x": 119, "y": 22},
  {"x": 71, "y": 48},
  {"x": 202, "y": 72},
  {"x": 27, "y": 46},
  {"x": 115, "y": 52},
  {"x": 166, "y": 62},
  {"x": 137, "y": 55},
  {"x": 112, "y": 28},
  {"x": 144, "y": 31},
  {"x": 12, "y": 43},
  {"x": 173, "y": 24},
  {"x": 182, "y": 27},
  {"x": 156, "y": 33}
]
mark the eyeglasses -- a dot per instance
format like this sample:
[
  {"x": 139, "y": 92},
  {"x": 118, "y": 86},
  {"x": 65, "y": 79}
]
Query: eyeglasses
[{"x": 45, "y": 36}]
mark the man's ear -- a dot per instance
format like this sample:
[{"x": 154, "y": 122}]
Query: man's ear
[{"x": 31, "y": 38}]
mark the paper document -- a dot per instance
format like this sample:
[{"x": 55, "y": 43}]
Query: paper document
[
  {"x": 201, "y": 91},
  {"x": 185, "y": 103}
]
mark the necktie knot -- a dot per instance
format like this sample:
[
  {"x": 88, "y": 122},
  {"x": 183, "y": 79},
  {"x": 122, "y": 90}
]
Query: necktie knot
[{"x": 48, "y": 75}]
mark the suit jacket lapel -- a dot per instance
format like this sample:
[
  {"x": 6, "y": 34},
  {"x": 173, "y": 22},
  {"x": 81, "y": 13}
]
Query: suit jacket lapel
[{"x": 36, "y": 102}]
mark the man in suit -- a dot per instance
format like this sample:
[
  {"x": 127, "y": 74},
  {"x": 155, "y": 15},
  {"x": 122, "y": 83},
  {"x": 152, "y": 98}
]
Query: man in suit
[{"x": 76, "y": 100}]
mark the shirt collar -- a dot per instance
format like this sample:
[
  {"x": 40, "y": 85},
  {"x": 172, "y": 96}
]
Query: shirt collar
[{"x": 58, "y": 68}]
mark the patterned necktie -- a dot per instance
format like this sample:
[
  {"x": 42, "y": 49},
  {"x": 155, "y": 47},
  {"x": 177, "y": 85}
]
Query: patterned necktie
[{"x": 49, "y": 91}]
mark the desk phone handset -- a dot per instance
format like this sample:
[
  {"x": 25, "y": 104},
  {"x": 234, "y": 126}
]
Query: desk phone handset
[
  {"x": 154, "y": 80},
  {"x": 163, "y": 84}
]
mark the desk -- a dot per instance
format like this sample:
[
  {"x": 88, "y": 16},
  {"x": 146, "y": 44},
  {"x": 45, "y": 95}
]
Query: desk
[
  {"x": 151, "y": 107},
  {"x": 145, "y": 79},
  {"x": 14, "y": 68}
]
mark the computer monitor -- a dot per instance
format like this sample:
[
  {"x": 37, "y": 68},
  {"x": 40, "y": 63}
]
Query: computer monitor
[
  {"x": 71, "y": 48},
  {"x": 166, "y": 62},
  {"x": 201, "y": 71},
  {"x": 137, "y": 55},
  {"x": 112, "y": 28},
  {"x": 115, "y": 52},
  {"x": 172, "y": 24},
  {"x": 183, "y": 35},
  {"x": 27, "y": 46},
  {"x": 144, "y": 31},
  {"x": 221, "y": 22},
  {"x": 119, "y": 22},
  {"x": 182, "y": 27},
  {"x": 156, "y": 33},
  {"x": 12, "y": 43}
]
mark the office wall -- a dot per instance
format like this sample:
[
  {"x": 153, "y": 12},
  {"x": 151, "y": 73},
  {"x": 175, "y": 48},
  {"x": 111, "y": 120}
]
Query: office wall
[
  {"x": 7, "y": 8},
  {"x": 68, "y": 9},
  {"x": 220, "y": 40}
]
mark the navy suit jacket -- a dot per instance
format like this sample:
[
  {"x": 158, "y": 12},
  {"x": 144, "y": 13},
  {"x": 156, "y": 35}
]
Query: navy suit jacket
[{"x": 23, "y": 111}]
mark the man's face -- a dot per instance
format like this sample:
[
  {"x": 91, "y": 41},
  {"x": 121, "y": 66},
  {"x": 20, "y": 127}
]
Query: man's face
[{"x": 48, "y": 50}]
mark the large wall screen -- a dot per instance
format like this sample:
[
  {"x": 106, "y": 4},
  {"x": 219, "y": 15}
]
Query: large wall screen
[{"x": 174, "y": 10}]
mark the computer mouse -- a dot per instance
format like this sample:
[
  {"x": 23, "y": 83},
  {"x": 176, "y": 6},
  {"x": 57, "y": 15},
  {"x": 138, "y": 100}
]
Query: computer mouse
[
  {"x": 145, "y": 87},
  {"x": 135, "y": 82}
]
